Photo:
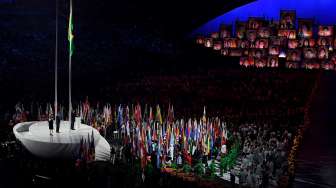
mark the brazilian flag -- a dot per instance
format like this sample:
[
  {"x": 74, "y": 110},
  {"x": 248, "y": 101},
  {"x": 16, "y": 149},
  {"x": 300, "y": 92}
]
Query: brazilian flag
[{"x": 70, "y": 32}]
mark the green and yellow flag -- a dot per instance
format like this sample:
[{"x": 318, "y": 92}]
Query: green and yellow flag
[{"x": 70, "y": 32}]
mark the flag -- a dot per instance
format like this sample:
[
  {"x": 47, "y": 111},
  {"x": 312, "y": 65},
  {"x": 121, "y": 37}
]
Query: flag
[{"x": 70, "y": 32}]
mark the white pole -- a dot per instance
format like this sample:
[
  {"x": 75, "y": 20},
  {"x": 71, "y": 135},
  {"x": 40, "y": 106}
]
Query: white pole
[
  {"x": 56, "y": 61},
  {"x": 70, "y": 105}
]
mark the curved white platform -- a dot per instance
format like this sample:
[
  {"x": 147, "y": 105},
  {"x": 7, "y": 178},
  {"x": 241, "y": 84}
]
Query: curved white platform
[{"x": 36, "y": 138}]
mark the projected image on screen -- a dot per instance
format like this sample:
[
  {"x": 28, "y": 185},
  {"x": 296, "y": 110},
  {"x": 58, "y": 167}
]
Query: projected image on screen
[
  {"x": 273, "y": 61},
  {"x": 290, "y": 34},
  {"x": 243, "y": 44},
  {"x": 323, "y": 53},
  {"x": 274, "y": 50},
  {"x": 305, "y": 28},
  {"x": 292, "y": 65},
  {"x": 200, "y": 40},
  {"x": 304, "y": 43},
  {"x": 246, "y": 61},
  {"x": 251, "y": 35},
  {"x": 278, "y": 41},
  {"x": 294, "y": 55},
  {"x": 333, "y": 58},
  {"x": 236, "y": 53},
  {"x": 257, "y": 53},
  {"x": 264, "y": 32},
  {"x": 260, "y": 62},
  {"x": 240, "y": 29},
  {"x": 217, "y": 45},
  {"x": 208, "y": 42},
  {"x": 310, "y": 64},
  {"x": 325, "y": 31},
  {"x": 324, "y": 41},
  {"x": 293, "y": 44},
  {"x": 230, "y": 43},
  {"x": 225, "y": 31},
  {"x": 255, "y": 23},
  {"x": 262, "y": 43},
  {"x": 287, "y": 19},
  {"x": 225, "y": 52},
  {"x": 309, "y": 53},
  {"x": 214, "y": 35}
]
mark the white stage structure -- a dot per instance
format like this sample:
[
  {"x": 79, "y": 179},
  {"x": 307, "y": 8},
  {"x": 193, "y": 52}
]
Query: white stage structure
[{"x": 64, "y": 145}]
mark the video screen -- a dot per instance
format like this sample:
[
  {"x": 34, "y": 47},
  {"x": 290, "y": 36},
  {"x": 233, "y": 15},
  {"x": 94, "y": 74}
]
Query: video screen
[
  {"x": 290, "y": 34},
  {"x": 240, "y": 29},
  {"x": 251, "y": 35},
  {"x": 243, "y": 44},
  {"x": 278, "y": 41},
  {"x": 236, "y": 52},
  {"x": 261, "y": 43},
  {"x": 292, "y": 65},
  {"x": 257, "y": 53},
  {"x": 200, "y": 40},
  {"x": 305, "y": 28},
  {"x": 324, "y": 41},
  {"x": 217, "y": 45},
  {"x": 225, "y": 31},
  {"x": 305, "y": 43},
  {"x": 260, "y": 62},
  {"x": 208, "y": 42},
  {"x": 287, "y": 19},
  {"x": 310, "y": 64},
  {"x": 309, "y": 53},
  {"x": 246, "y": 61},
  {"x": 230, "y": 43},
  {"x": 255, "y": 22},
  {"x": 325, "y": 31},
  {"x": 333, "y": 58},
  {"x": 274, "y": 50},
  {"x": 323, "y": 53},
  {"x": 215, "y": 35},
  {"x": 273, "y": 61},
  {"x": 294, "y": 55},
  {"x": 225, "y": 52},
  {"x": 264, "y": 32},
  {"x": 293, "y": 44},
  {"x": 328, "y": 66}
]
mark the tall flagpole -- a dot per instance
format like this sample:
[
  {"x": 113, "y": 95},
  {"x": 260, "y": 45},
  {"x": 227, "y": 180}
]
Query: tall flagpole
[
  {"x": 56, "y": 61},
  {"x": 70, "y": 53}
]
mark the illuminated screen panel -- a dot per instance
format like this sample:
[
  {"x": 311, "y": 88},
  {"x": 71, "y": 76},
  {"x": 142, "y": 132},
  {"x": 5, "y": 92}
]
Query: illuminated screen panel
[
  {"x": 287, "y": 19},
  {"x": 306, "y": 43},
  {"x": 255, "y": 23},
  {"x": 208, "y": 42},
  {"x": 243, "y": 44},
  {"x": 310, "y": 64},
  {"x": 293, "y": 55},
  {"x": 324, "y": 41},
  {"x": 273, "y": 61},
  {"x": 236, "y": 52},
  {"x": 217, "y": 45},
  {"x": 305, "y": 28},
  {"x": 261, "y": 43},
  {"x": 214, "y": 35},
  {"x": 323, "y": 53},
  {"x": 333, "y": 58},
  {"x": 230, "y": 43},
  {"x": 290, "y": 34},
  {"x": 325, "y": 31},
  {"x": 225, "y": 31},
  {"x": 264, "y": 32},
  {"x": 225, "y": 52},
  {"x": 278, "y": 41},
  {"x": 292, "y": 65},
  {"x": 251, "y": 35},
  {"x": 241, "y": 29},
  {"x": 274, "y": 50},
  {"x": 257, "y": 53},
  {"x": 293, "y": 44},
  {"x": 200, "y": 40},
  {"x": 260, "y": 62},
  {"x": 246, "y": 61},
  {"x": 309, "y": 53}
]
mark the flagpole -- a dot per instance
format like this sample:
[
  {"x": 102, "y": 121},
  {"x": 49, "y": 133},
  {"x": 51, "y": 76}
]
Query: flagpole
[
  {"x": 56, "y": 60},
  {"x": 70, "y": 105}
]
